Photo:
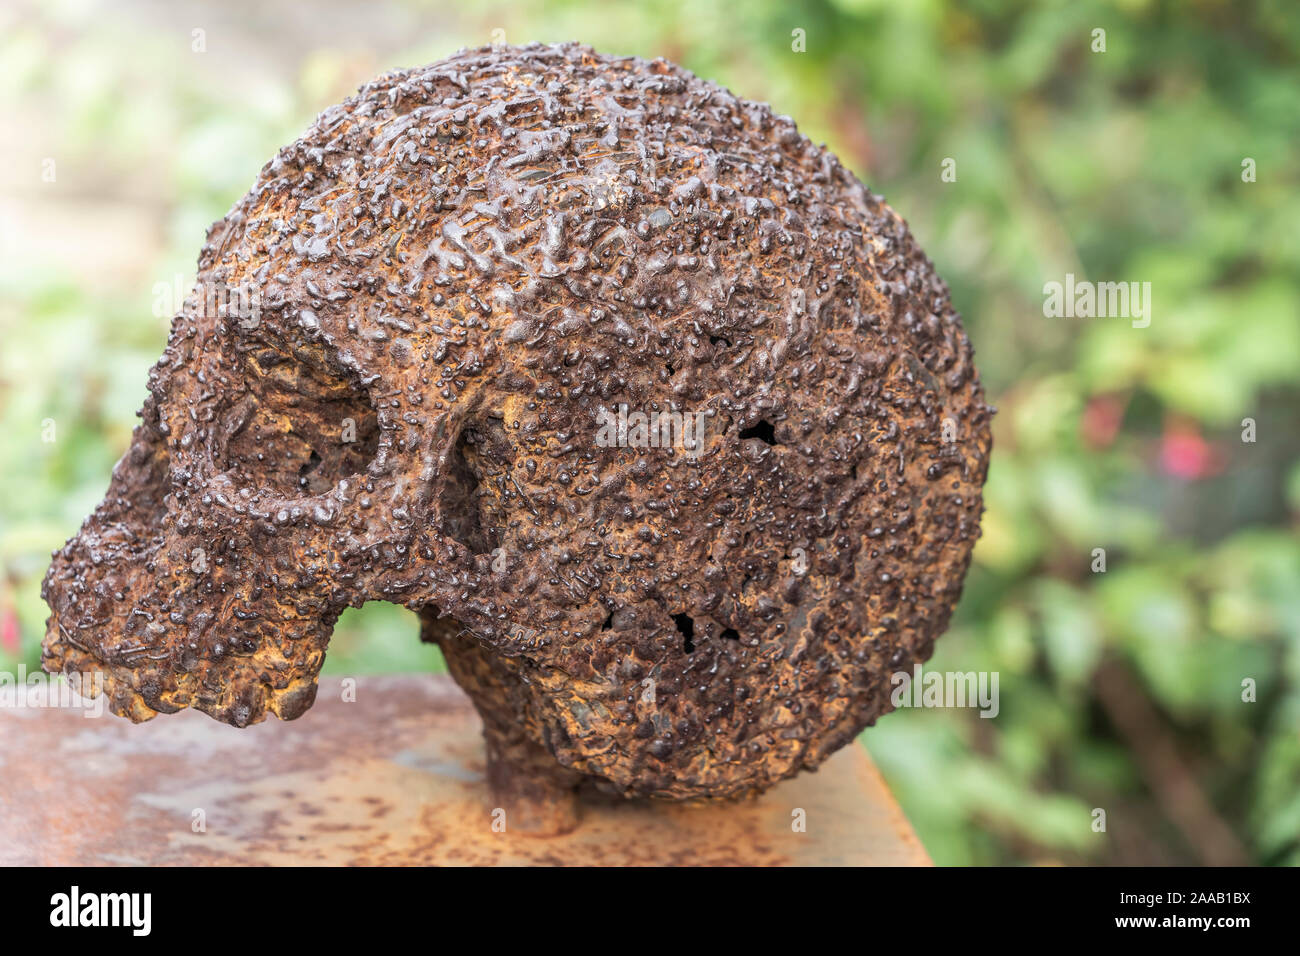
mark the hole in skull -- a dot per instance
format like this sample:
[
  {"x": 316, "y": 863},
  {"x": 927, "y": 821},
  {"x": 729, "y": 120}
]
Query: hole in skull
[
  {"x": 309, "y": 473},
  {"x": 300, "y": 426},
  {"x": 763, "y": 431},
  {"x": 687, "y": 628},
  {"x": 731, "y": 634}
]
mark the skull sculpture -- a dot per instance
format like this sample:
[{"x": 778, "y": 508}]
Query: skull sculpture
[{"x": 464, "y": 275}]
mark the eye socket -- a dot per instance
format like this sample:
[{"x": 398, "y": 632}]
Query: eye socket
[{"x": 300, "y": 427}]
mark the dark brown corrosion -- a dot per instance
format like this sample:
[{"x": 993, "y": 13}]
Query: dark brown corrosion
[{"x": 452, "y": 274}]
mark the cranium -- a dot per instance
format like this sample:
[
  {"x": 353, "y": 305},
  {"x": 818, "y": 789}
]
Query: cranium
[{"x": 460, "y": 275}]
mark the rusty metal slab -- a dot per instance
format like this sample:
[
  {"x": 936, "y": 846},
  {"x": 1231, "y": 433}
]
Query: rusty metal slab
[{"x": 392, "y": 777}]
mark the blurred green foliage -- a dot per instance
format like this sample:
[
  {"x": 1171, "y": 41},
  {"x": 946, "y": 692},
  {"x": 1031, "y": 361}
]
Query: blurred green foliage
[{"x": 1120, "y": 690}]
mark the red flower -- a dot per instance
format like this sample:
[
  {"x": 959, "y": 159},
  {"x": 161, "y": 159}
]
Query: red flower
[
  {"x": 9, "y": 636},
  {"x": 1185, "y": 454}
]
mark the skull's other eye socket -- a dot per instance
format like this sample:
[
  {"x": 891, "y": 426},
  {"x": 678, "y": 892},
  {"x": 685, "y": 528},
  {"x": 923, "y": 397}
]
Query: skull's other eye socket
[{"x": 300, "y": 427}]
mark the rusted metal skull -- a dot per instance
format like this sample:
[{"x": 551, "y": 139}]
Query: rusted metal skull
[{"x": 484, "y": 288}]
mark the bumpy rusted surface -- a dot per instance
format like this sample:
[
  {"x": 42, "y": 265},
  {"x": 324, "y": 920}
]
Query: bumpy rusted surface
[{"x": 466, "y": 262}]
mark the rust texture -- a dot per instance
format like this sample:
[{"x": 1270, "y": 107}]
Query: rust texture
[{"x": 455, "y": 271}]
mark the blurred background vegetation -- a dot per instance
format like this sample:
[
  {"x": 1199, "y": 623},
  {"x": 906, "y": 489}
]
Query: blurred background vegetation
[{"x": 126, "y": 133}]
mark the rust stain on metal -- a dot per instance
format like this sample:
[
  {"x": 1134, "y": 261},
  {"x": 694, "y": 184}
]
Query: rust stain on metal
[
  {"x": 396, "y": 778},
  {"x": 460, "y": 274}
]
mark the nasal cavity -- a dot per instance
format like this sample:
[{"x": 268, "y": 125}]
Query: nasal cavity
[{"x": 479, "y": 463}]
